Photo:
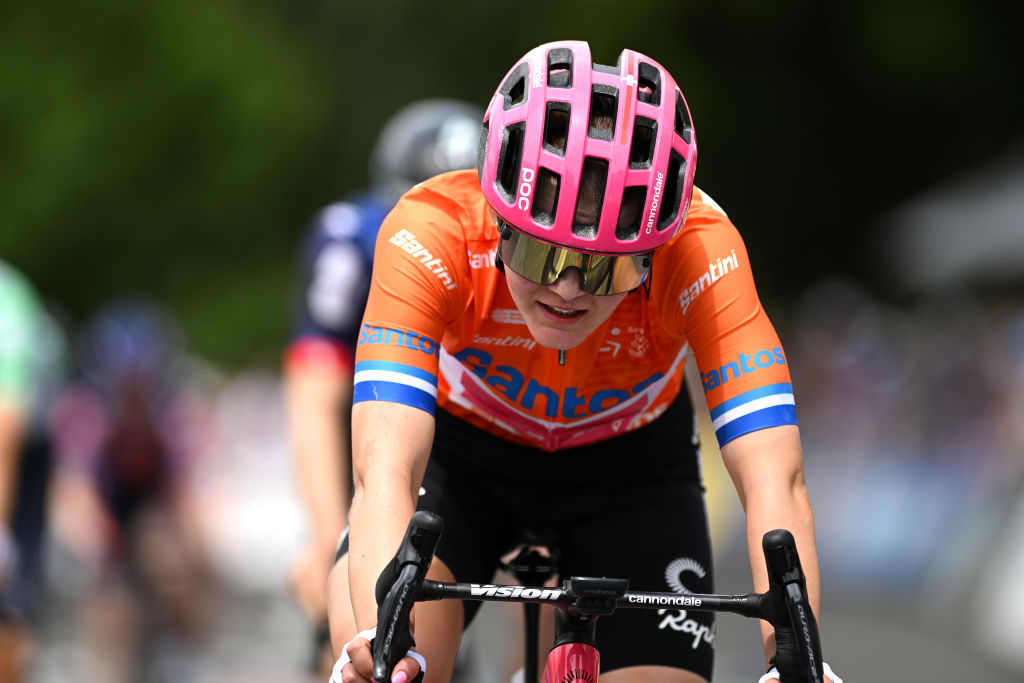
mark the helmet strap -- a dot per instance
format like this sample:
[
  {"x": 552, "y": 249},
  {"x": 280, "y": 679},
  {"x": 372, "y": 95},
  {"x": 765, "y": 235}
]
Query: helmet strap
[
  {"x": 506, "y": 233},
  {"x": 646, "y": 284}
]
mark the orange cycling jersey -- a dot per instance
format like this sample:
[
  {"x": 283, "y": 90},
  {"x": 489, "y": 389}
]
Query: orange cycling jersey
[{"x": 441, "y": 329}]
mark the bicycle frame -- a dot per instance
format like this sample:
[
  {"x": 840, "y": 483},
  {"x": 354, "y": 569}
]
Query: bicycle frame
[
  {"x": 581, "y": 600},
  {"x": 572, "y": 662}
]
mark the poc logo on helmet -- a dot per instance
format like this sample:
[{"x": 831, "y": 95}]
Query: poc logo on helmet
[{"x": 525, "y": 189}]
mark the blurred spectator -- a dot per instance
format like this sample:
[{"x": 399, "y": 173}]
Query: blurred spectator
[
  {"x": 126, "y": 431},
  {"x": 31, "y": 355},
  {"x": 909, "y": 417},
  {"x": 423, "y": 139},
  {"x": 252, "y": 521},
  {"x": 252, "y": 515}
]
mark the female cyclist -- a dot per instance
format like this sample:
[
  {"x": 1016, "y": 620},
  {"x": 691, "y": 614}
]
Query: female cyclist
[{"x": 532, "y": 318}]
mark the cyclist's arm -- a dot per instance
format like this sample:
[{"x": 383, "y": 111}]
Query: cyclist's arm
[
  {"x": 767, "y": 468},
  {"x": 411, "y": 303},
  {"x": 391, "y": 445},
  {"x": 334, "y": 276},
  {"x": 318, "y": 402},
  {"x": 12, "y": 429},
  {"x": 19, "y": 318}
]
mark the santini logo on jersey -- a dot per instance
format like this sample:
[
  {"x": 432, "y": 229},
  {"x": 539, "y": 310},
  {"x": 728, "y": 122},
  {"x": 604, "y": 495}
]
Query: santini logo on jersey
[
  {"x": 482, "y": 260},
  {"x": 407, "y": 241},
  {"x": 509, "y": 340},
  {"x": 744, "y": 365},
  {"x": 715, "y": 271},
  {"x": 406, "y": 339}
]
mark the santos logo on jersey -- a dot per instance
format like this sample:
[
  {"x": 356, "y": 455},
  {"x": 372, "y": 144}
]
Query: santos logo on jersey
[
  {"x": 408, "y": 339},
  {"x": 525, "y": 391},
  {"x": 745, "y": 364}
]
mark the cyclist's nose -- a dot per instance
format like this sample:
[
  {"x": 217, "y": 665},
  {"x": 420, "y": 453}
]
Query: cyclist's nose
[{"x": 569, "y": 284}]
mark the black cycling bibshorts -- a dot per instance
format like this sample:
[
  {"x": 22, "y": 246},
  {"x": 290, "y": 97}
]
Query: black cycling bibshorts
[{"x": 630, "y": 507}]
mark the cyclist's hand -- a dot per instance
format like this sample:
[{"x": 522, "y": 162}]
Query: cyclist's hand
[
  {"x": 309, "y": 581},
  {"x": 356, "y": 663},
  {"x": 773, "y": 675},
  {"x": 356, "y": 660}
]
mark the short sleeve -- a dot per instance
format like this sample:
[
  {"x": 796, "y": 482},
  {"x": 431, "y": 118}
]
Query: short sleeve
[
  {"x": 420, "y": 285},
  {"x": 714, "y": 304}
]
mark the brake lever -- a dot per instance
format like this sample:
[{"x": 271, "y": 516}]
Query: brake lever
[
  {"x": 787, "y": 607},
  {"x": 397, "y": 588}
]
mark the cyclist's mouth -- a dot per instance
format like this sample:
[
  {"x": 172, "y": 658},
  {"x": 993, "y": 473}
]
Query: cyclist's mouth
[{"x": 562, "y": 314}]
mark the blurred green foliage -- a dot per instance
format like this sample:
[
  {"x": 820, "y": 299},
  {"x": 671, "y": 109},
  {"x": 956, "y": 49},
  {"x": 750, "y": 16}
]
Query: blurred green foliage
[
  {"x": 158, "y": 147},
  {"x": 178, "y": 148}
]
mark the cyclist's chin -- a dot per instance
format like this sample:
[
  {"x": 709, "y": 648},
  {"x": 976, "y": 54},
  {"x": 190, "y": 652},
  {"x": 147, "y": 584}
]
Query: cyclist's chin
[
  {"x": 560, "y": 335},
  {"x": 559, "y": 341}
]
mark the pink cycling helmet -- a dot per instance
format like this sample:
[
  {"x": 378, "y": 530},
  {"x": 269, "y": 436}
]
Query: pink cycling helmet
[{"x": 558, "y": 122}]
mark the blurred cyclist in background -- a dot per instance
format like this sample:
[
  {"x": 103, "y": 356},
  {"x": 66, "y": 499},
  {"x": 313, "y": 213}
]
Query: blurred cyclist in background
[
  {"x": 31, "y": 366},
  {"x": 126, "y": 431},
  {"x": 423, "y": 139}
]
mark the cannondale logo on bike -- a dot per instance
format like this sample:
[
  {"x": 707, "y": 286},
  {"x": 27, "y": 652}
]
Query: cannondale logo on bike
[{"x": 678, "y": 601}]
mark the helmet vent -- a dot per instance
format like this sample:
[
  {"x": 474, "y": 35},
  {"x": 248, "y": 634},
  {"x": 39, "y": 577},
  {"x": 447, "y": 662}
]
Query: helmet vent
[
  {"x": 684, "y": 127},
  {"x": 560, "y": 68},
  {"x": 675, "y": 179},
  {"x": 591, "y": 197},
  {"x": 603, "y": 109},
  {"x": 546, "y": 199},
  {"x": 513, "y": 90},
  {"x": 481, "y": 148},
  {"x": 556, "y": 127},
  {"x": 631, "y": 212},
  {"x": 641, "y": 150},
  {"x": 509, "y": 160},
  {"x": 649, "y": 84}
]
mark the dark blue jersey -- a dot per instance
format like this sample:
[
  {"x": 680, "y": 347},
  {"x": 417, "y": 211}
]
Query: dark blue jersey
[{"x": 336, "y": 264}]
